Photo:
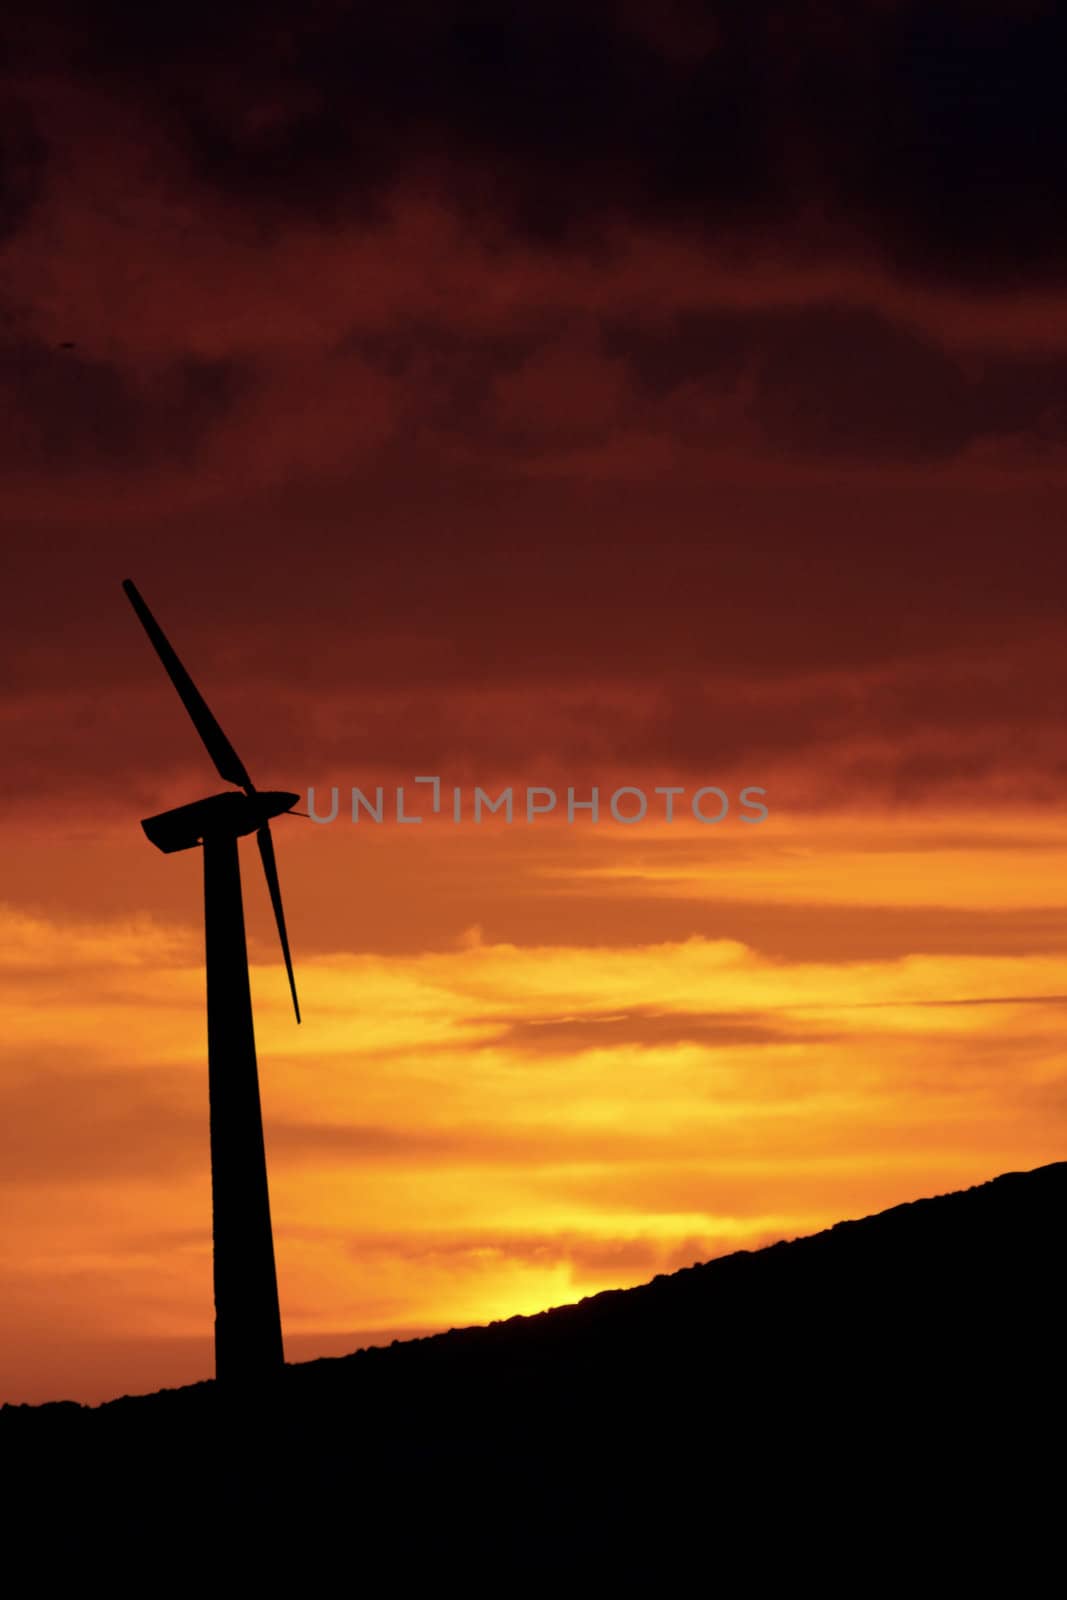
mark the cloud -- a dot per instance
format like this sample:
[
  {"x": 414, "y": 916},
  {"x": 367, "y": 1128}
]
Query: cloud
[
  {"x": 589, "y": 1258},
  {"x": 901, "y": 130},
  {"x": 22, "y": 165},
  {"x": 65, "y": 1127},
  {"x": 459, "y": 192},
  {"x": 647, "y": 1029},
  {"x": 67, "y": 414},
  {"x": 490, "y": 1128}
]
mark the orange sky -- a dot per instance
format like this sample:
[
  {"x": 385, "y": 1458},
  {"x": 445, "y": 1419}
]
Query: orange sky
[
  {"x": 460, "y": 409},
  {"x": 495, "y": 1125}
]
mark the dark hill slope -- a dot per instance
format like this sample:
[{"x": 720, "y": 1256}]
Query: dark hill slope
[{"x": 887, "y": 1390}]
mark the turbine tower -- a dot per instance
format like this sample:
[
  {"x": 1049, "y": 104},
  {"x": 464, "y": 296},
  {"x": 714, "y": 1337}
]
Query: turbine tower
[{"x": 248, "y": 1328}]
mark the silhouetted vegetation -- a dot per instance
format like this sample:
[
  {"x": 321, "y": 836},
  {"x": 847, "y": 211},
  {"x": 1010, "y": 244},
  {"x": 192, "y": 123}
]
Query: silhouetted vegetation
[{"x": 887, "y": 1393}]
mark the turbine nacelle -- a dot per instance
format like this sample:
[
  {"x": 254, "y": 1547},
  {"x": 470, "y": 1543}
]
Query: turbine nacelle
[{"x": 230, "y": 815}]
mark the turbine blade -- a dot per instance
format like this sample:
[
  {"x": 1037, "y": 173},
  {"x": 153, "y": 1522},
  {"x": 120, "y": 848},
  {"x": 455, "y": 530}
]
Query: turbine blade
[
  {"x": 270, "y": 870},
  {"x": 228, "y": 763}
]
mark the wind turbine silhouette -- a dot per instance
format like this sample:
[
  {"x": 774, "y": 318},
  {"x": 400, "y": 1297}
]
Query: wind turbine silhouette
[{"x": 248, "y": 1328}]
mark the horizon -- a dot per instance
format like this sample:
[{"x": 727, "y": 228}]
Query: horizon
[{"x": 338, "y": 1346}]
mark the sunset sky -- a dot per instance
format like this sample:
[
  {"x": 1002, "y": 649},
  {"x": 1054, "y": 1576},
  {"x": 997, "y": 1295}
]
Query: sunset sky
[{"x": 542, "y": 394}]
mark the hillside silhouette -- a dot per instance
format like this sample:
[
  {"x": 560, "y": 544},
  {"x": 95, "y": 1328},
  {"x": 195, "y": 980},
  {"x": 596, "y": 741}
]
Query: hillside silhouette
[{"x": 888, "y": 1392}]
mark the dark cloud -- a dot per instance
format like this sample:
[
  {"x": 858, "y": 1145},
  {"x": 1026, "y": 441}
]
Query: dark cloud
[
  {"x": 822, "y": 384},
  {"x": 64, "y": 412},
  {"x": 930, "y": 132},
  {"x": 832, "y": 381},
  {"x": 843, "y": 383},
  {"x": 549, "y": 116},
  {"x": 967, "y": 178},
  {"x": 454, "y": 468},
  {"x": 23, "y": 154},
  {"x": 899, "y": 675}
]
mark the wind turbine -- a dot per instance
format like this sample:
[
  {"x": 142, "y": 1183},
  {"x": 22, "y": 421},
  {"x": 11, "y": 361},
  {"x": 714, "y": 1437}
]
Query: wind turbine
[{"x": 248, "y": 1328}]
